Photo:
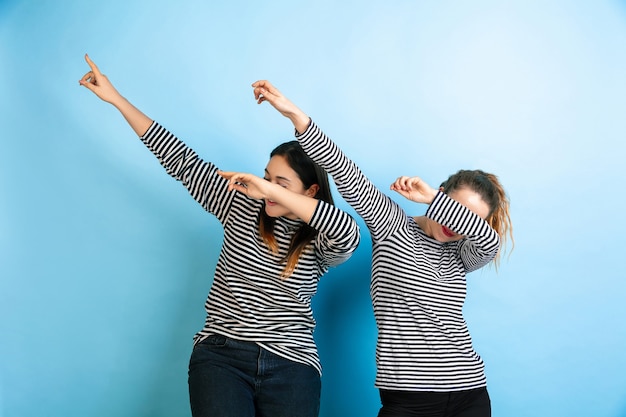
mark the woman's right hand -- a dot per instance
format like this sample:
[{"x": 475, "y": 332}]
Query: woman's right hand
[
  {"x": 414, "y": 189},
  {"x": 98, "y": 83},
  {"x": 265, "y": 91}
]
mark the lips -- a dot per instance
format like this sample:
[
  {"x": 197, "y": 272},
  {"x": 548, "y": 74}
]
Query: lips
[
  {"x": 270, "y": 203},
  {"x": 447, "y": 232}
]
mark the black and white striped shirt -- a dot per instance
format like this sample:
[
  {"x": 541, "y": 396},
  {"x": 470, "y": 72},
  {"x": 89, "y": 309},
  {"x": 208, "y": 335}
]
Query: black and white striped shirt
[
  {"x": 418, "y": 284},
  {"x": 248, "y": 299}
]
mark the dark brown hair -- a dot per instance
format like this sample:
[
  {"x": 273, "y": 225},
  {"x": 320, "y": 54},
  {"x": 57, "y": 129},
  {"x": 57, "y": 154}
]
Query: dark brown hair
[{"x": 309, "y": 173}]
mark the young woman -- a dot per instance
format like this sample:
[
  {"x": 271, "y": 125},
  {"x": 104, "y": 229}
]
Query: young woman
[
  {"x": 426, "y": 364},
  {"x": 255, "y": 355}
]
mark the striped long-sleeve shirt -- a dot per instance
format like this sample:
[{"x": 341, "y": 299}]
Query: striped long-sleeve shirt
[
  {"x": 249, "y": 300},
  {"x": 418, "y": 284}
]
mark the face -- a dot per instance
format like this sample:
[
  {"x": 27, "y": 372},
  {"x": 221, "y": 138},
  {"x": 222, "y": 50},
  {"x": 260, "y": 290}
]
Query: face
[
  {"x": 469, "y": 199},
  {"x": 279, "y": 172}
]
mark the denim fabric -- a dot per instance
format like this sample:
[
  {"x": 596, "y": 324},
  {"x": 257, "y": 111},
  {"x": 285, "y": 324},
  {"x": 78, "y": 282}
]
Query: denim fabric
[
  {"x": 231, "y": 378},
  {"x": 470, "y": 403}
]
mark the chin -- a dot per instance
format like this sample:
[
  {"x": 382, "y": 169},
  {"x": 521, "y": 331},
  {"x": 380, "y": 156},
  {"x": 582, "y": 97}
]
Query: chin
[
  {"x": 270, "y": 213},
  {"x": 274, "y": 211},
  {"x": 447, "y": 239}
]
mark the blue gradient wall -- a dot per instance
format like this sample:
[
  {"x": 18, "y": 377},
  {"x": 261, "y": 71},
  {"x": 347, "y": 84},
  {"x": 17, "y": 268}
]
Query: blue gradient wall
[{"x": 105, "y": 261}]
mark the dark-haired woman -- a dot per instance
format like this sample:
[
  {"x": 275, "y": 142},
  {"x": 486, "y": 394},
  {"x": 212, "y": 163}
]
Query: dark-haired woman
[
  {"x": 255, "y": 355},
  {"x": 426, "y": 364}
]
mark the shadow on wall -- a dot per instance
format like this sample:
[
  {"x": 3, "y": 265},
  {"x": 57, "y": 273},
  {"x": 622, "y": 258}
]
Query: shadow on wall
[
  {"x": 166, "y": 281},
  {"x": 346, "y": 337},
  {"x": 167, "y": 393},
  {"x": 191, "y": 238}
]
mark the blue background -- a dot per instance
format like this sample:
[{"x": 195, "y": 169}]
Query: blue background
[{"x": 105, "y": 261}]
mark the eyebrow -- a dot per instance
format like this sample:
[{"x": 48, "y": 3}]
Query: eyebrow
[{"x": 278, "y": 177}]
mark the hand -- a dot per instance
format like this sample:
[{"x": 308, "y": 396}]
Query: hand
[
  {"x": 98, "y": 83},
  {"x": 265, "y": 91},
  {"x": 300, "y": 205},
  {"x": 414, "y": 189},
  {"x": 250, "y": 185}
]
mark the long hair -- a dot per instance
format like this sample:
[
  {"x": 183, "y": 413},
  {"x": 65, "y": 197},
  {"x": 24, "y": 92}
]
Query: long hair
[
  {"x": 309, "y": 173},
  {"x": 491, "y": 191}
]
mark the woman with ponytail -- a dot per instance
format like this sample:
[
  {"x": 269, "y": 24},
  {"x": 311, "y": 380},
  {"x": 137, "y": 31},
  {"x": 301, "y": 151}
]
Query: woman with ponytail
[
  {"x": 255, "y": 355},
  {"x": 426, "y": 363}
]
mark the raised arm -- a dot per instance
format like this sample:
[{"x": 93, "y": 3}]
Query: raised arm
[
  {"x": 381, "y": 215},
  {"x": 180, "y": 161},
  {"x": 100, "y": 85},
  {"x": 480, "y": 241}
]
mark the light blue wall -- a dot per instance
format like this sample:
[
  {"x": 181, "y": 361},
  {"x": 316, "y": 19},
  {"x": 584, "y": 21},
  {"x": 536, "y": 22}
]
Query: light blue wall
[{"x": 105, "y": 261}]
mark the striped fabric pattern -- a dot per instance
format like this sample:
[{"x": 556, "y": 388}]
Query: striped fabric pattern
[
  {"x": 248, "y": 299},
  {"x": 418, "y": 285}
]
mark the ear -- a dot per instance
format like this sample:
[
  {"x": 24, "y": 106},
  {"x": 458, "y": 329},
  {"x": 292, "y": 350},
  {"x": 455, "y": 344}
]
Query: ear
[{"x": 312, "y": 191}]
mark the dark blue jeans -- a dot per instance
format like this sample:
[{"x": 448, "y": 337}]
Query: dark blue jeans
[
  {"x": 230, "y": 378},
  {"x": 470, "y": 403}
]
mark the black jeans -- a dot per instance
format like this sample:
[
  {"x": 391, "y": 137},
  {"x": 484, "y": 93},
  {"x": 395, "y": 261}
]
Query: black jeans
[
  {"x": 231, "y": 378},
  {"x": 470, "y": 403}
]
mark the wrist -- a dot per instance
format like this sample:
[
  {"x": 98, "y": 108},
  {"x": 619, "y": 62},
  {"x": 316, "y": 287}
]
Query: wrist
[
  {"x": 433, "y": 194},
  {"x": 272, "y": 192},
  {"x": 118, "y": 101},
  {"x": 300, "y": 120}
]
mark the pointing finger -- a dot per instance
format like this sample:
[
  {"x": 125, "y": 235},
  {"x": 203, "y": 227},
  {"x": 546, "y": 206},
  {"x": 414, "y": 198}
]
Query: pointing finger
[{"x": 92, "y": 65}]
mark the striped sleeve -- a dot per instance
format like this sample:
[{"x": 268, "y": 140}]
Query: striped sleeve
[
  {"x": 381, "y": 214},
  {"x": 338, "y": 234},
  {"x": 181, "y": 162},
  {"x": 481, "y": 242}
]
